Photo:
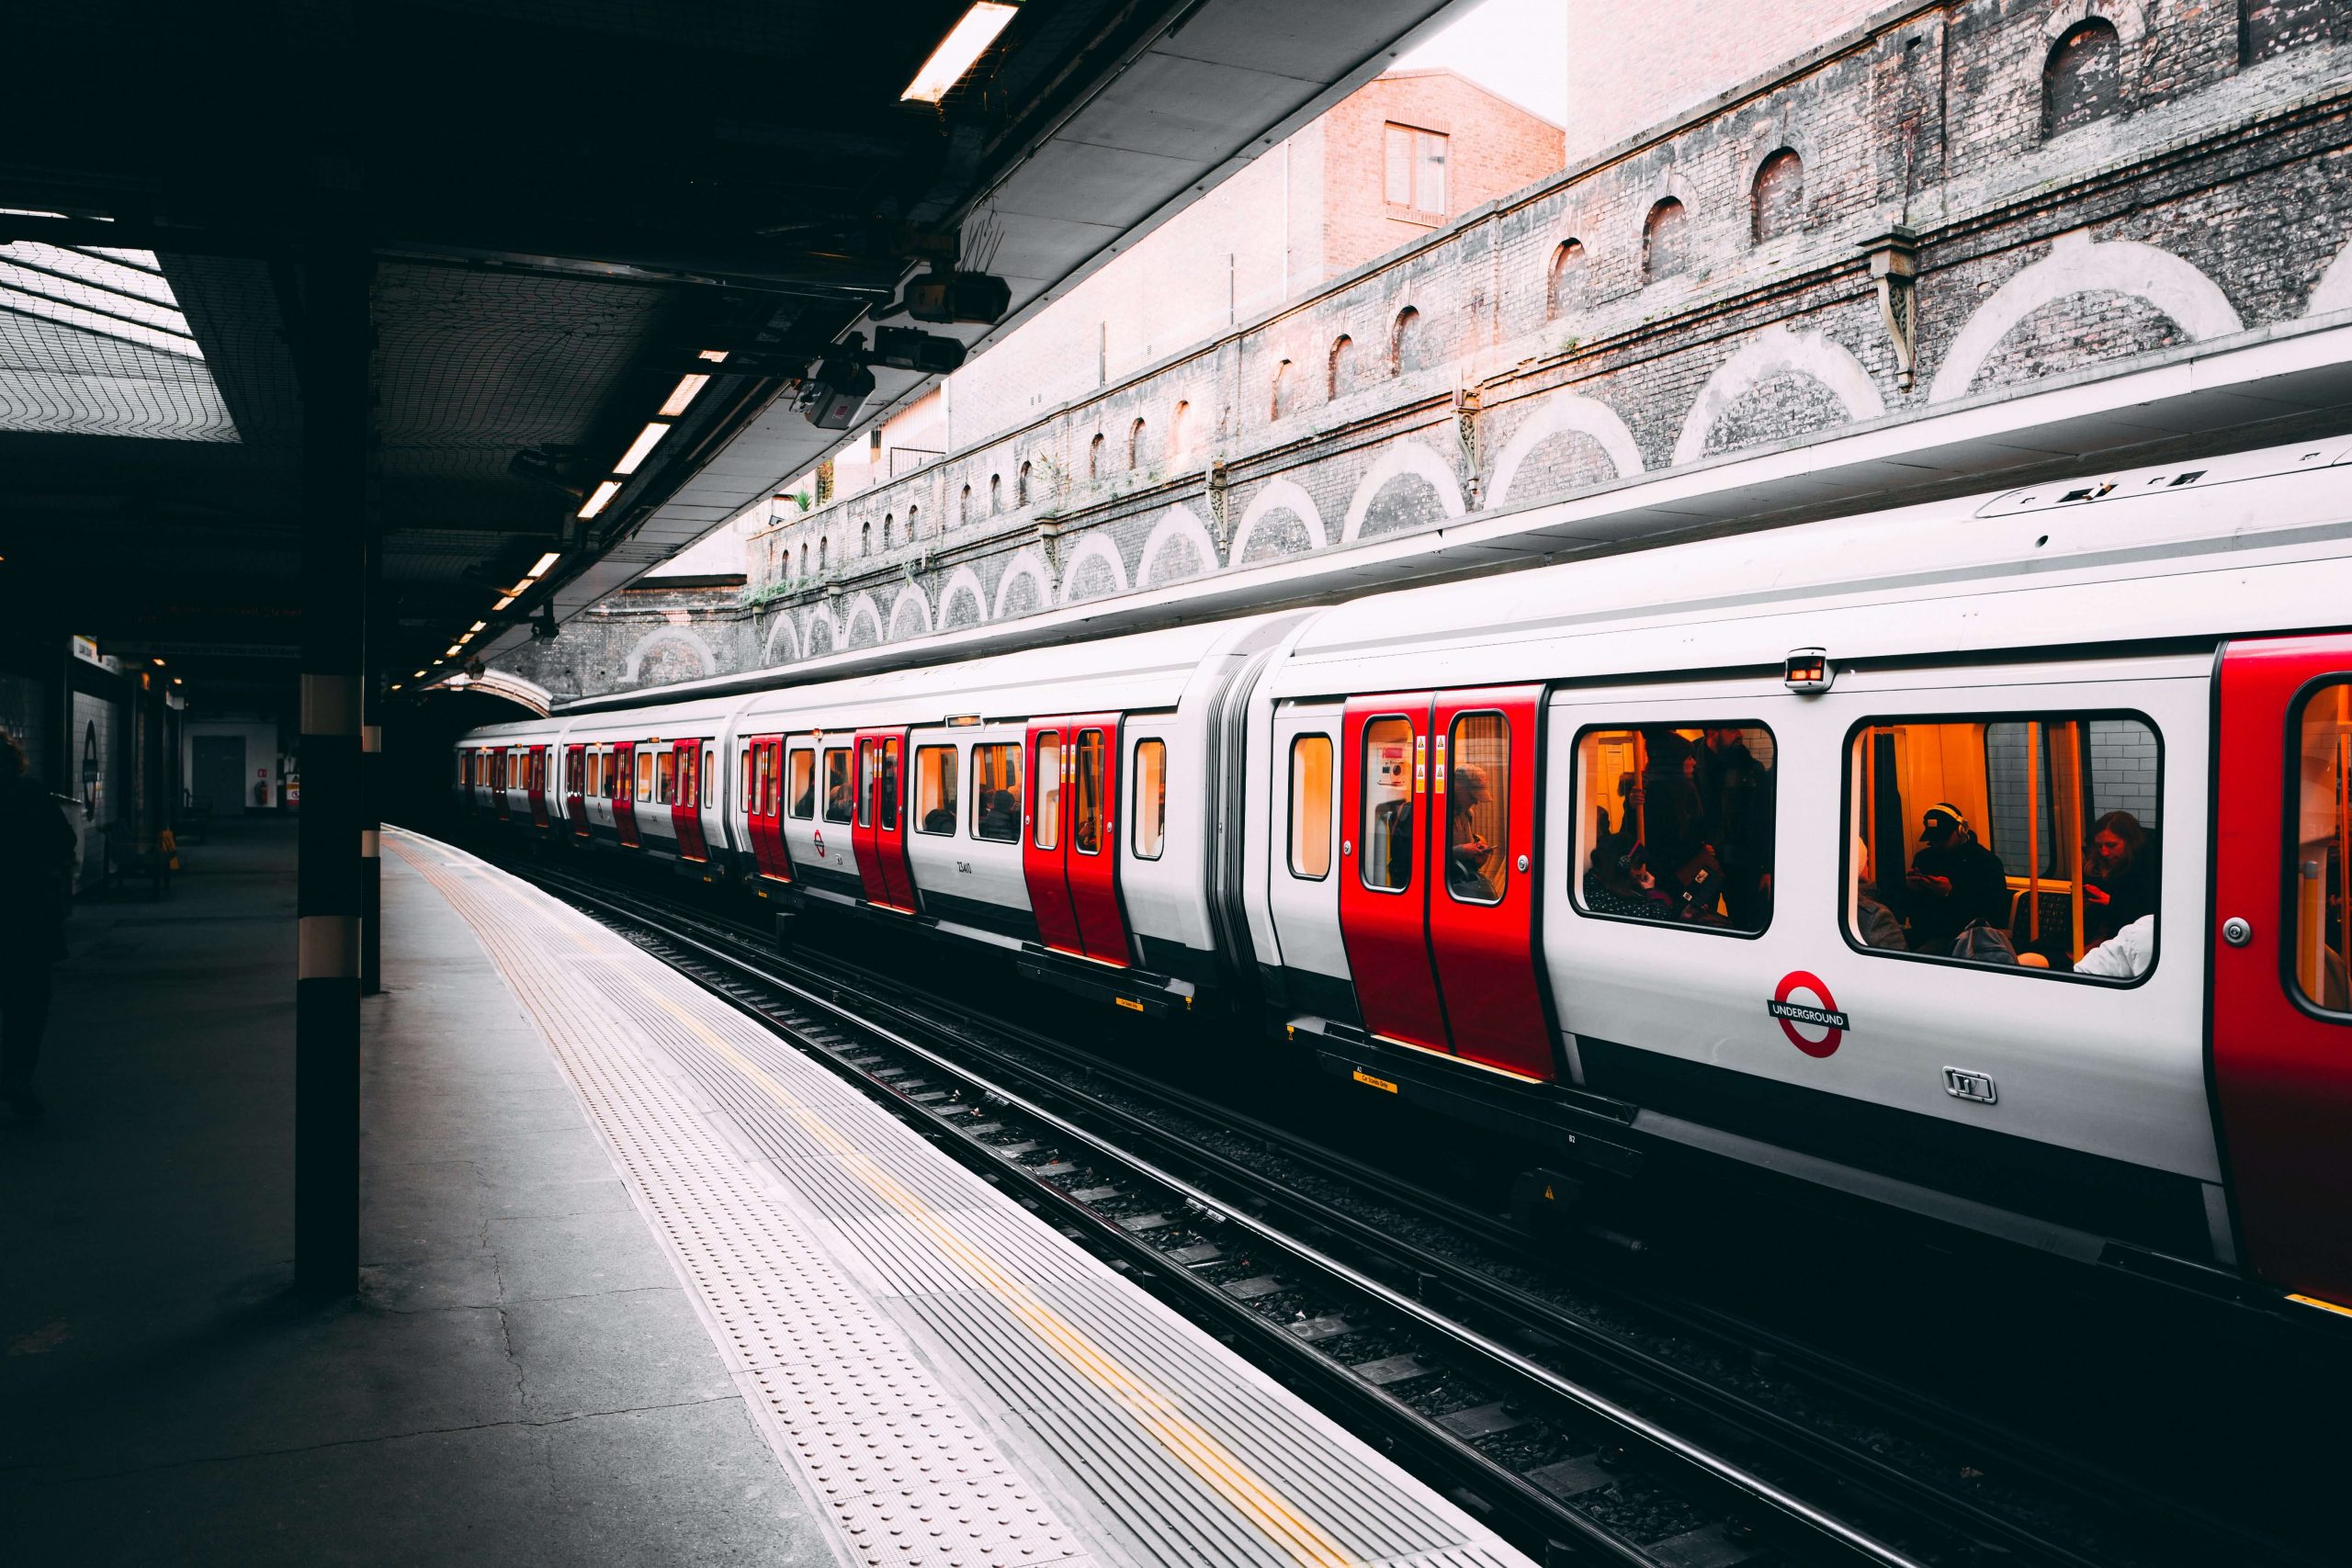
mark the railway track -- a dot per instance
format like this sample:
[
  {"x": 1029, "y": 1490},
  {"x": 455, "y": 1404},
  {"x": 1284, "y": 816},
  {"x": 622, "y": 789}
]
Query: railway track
[{"x": 1570, "y": 1435}]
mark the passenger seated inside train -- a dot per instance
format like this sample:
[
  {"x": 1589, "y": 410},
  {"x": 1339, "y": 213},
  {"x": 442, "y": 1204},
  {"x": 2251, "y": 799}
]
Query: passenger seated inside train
[
  {"x": 2004, "y": 872},
  {"x": 1683, "y": 830},
  {"x": 804, "y": 803},
  {"x": 999, "y": 819},
  {"x": 1472, "y": 865}
]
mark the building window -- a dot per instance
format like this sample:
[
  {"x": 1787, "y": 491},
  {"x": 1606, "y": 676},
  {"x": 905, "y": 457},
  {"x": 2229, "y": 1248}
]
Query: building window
[
  {"x": 1406, "y": 347},
  {"x": 2273, "y": 26},
  {"x": 804, "y": 558},
  {"x": 865, "y": 539},
  {"x": 1565, "y": 285},
  {"x": 1134, "y": 445},
  {"x": 913, "y": 513},
  {"x": 1021, "y": 484},
  {"x": 1778, "y": 206},
  {"x": 889, "y": 531},
  {"x": 824, "y": 553},
  {"x": 1340, "y": 375},
  {"x": 964, "y": 506},
  {"x": 2082, "y": 81},
  {"x": 1665, "y": 241},
  {"x": 1176, "y": 428},
  {"x": 1095, "y": 456},
  {"x": 1276, "y": 404},
  {"x": 1415, "y": 170},
  {"x": 996, "y": 494}
]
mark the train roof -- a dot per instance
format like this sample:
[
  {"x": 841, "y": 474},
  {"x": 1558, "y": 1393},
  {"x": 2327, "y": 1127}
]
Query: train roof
[{"x": 2249, "y": 542}]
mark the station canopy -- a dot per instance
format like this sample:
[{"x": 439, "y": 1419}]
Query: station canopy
[{"x": 585, "y": 219}]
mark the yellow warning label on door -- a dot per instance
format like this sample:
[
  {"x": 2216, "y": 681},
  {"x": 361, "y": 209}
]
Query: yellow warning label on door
[{"x": 1362, "y": 1076}]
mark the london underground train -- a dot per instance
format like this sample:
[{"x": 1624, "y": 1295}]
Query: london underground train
[{"x": 1985, "y": 861}]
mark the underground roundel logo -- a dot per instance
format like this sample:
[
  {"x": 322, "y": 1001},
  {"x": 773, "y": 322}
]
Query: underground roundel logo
[
  {"x": 820, "y": 843},
  {"x": 1818, "y": 1010}
]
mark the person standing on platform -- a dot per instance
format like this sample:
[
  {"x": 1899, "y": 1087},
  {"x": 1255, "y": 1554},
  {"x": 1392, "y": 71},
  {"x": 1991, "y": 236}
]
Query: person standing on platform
[{"x": 36, "y": 861}]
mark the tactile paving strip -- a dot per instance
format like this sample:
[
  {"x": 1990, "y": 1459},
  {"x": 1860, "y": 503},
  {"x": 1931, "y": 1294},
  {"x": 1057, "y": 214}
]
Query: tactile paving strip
[{"x": 1194, "y": 1455}]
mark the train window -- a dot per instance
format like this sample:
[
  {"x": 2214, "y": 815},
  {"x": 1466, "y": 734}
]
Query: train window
[
  {"x": 1049, "y": 790},
  {"x": 1151, "y": 830},
  {"x": 690, "y": 779},
  {"x": 665, "y": 778},
  {"x": 1310, "y": 806},
  {"x": 2322, "y": 849},
  {"x": 750, "y": 793},
  {"x": 996, "y": 793},
  {"x": 1087, "y": 806},
  {"x": 2019, "y": 841},
  {"x": 1386, "y": 864},
  {"x": 645, "y": 776},
  {"x": 935, "y": 789},
  {"x": 1675, "y": 823},
  {"x": 803, "y": 764},
  {"x": 1477, "y": 779},
  {"x": 709, "y": 781},
  {"x": 887, "y": 789},
  {"x": 839, "y": 795}
]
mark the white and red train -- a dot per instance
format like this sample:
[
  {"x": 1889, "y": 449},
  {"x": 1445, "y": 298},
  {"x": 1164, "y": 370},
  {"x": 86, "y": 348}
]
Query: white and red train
[{"x": 1623, "y": 858}]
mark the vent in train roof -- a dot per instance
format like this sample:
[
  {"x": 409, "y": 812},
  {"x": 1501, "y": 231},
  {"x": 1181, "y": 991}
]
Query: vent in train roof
[{"x": 2203, "y": 474}]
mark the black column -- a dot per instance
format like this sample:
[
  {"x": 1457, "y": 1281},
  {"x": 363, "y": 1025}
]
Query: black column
[
  {"x": 371, "y": 770},
  {"x": 335, "y": 389}
]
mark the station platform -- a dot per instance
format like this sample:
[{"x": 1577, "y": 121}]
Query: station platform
[{"x": 642, "y": 1284}]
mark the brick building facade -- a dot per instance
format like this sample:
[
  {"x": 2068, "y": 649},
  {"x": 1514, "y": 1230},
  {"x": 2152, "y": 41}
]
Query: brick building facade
[{"x": 2086, "y": 182}]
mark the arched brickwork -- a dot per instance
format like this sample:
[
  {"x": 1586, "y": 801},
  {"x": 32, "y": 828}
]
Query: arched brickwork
[
  {"x": 862, "y": 627},
  {"x": 1179, "y": 547},
  {"x": 673, "y": 653},
  {"x": 1094, "y": 570},
  {"x": 782, "y": 643},
  {"x": 1562, "y": 416},
  {"x": 1404, "y": 460},
  {"x": 1024, "y": 589},
  {"x": 1774, "y": 358},
  {"x": 2076, "y": 264},
  {"x": 1261, "y": 534},
  {"x": 964, "y": 603},
  {"x": 910, "y": 616}
]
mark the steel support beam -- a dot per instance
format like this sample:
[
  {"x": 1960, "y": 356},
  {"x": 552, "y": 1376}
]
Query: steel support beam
[{"x": 334, "y": 354}]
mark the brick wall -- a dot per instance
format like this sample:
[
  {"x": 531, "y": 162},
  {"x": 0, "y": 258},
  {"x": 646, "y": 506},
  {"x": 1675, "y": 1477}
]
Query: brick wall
[
  {"x": 1493, "y": 148},
  {"x": 1631, "y": 67}
]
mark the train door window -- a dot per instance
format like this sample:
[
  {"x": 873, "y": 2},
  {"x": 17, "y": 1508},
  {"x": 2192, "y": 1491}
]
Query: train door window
[
  {"x": 1151, "y": 798},
  {"x": 996, "y": 793},
  {"x": 2322, "y": 851},
  {"x": 1386, "y": 864},
  {"x": 539, "y": 772},
  {"x": 2020, "y": 842},
  {"x": 689, "y": 792},
  {"x": 889, "y": 788},
  {"x": 1675, "y": 823},
  {"x": 645, "y": 776},
  {"x": 1049, "y": 833},
  {"x": 802, "y": 766},
  {"x": 665, "y": 778},
  {"x": 935, "y": 789},
  {"x": 1478, "y": 807},
  {"x": 1087, "y": 807},
  {"x": 840, "y": 795},
  {"x": 1310, "y": 806}
]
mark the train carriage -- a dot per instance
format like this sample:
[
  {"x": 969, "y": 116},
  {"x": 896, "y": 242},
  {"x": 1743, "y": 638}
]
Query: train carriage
[{"x": 1984, "y": 861}]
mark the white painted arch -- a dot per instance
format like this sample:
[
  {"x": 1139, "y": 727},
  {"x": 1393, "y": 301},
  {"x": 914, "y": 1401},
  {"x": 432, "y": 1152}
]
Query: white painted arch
[
  {"x": 683, "y": 636},
  {"x": 820, "y": 618},
  {"x": 1777, "y": 351},
  {"x": 1095, "y": 546},
  {"x": 782, "y": 637},
  {"x": 2078, "y": 265},
  {"x": 966, "y": 581},
  {"x": 1179, "y": 523},
  {"x": 1566, "y": 414},
  {"x": 1404, "y": 458},
  {"x": 863, "y": 610},
  {"x": 910, "y": 601},
  {"x": 1280, "y": 495},
  {"x": 1028, "y": 564},
  {"x": 2334, "y": 289}
]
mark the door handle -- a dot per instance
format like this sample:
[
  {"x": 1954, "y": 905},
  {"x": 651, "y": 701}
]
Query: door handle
[{"x": 2236, "y": 930}]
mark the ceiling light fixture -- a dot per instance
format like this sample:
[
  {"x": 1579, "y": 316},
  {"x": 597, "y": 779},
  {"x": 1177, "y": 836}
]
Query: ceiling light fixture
[
  {"x": 715, "y": 355},
  {"x": 601, "y": 497},
  {"x": 546, "y": 561},
  {"x": 158, "y": 662},
  {"x": 640, "y": 449},
  {"x": 957, "y": 53},
  {"x": 684, "y": 394},
  {"x": 475, "y": 627},
  {"x": 448, "y": 652},
  {"x": 418, "y": 676},
  {"x": 503, "y": 603}
]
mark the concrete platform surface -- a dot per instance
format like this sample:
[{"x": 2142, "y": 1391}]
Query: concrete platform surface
[{"x": 523, "y": 1378}]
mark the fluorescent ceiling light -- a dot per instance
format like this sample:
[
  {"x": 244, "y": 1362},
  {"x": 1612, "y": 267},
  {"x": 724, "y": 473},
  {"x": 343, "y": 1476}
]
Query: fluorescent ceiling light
[
  {"x": 475, "y": 627},
  {"x": 647, "y": 439},
  {"x": 450, "y": 651},
  {"x": 601, "y": 498},
  {"x": 956, "y": 53},
  {"x": 418, "y": 676},
  {"x": 546, "y": 561},
  {"x": 715, "y": 355},
  {"x": 684, "y": 394},
  {"x": 503, "y": 603}
]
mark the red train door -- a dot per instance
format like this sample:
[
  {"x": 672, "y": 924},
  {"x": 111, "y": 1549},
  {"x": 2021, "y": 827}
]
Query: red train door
[
  {"x": 1045, "y": 837},
  {"x": 685, "y": 803},
  {"x": 1091, "y": 865},
  {"x": 1383, "y": 867},
  {"x": 575, "y": 783},
  {"x": 625, "y": 795},
  {"x": 763, "y": 806},
  {"x": 2282, "y": 1020},
  {"x": 879, "y": 833},
  {"x": 538, "y": 786},
  {"x": 1483, "y": 878}
]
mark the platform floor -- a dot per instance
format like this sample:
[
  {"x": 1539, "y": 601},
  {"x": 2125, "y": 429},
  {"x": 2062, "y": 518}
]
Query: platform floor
[{"x": 642, "y": 1284}]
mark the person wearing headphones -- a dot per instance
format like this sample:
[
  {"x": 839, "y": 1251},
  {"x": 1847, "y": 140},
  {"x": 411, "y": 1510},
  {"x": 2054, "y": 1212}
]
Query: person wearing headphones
[{"x": 1954, "y": 880}]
